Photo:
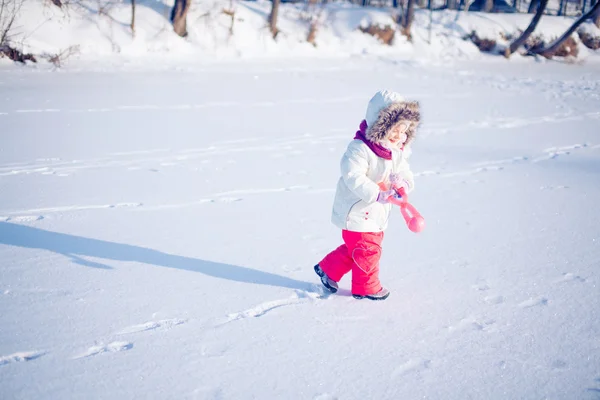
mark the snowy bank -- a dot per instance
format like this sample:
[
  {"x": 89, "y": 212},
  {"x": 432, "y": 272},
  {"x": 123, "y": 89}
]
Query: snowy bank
[{"x": 226, "y": 30}]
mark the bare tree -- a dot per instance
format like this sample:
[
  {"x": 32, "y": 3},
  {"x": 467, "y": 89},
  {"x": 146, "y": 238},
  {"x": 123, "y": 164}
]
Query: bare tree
[
  {"x": 596, "y": 15},
  {"x": 9, "y": 10},
  {"x": 133, "y": 18},
  {"x": 533, "y": 5},
  {"x": 315, "y": 9},
  {"x": 550, "y": 50},
  {"x": 468, "y": 4},
  {"x": 273, "y": 18},
  {"x": 179, "y": 15},
  {"x": 488, "y": 6},
  {"x": 452, "y": 4},
  {"x": 521, "y": 39},
  {"x": 562, "y": 8},
  {"x": 407, "y": 19}
]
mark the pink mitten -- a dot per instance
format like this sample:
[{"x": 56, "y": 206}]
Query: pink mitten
[
  {"x": 384, "y": 196},
  {"x": 398, "y": 182}
]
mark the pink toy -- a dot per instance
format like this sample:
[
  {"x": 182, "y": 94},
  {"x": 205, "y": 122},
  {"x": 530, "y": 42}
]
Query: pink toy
[{"x": 414, "y": 220}]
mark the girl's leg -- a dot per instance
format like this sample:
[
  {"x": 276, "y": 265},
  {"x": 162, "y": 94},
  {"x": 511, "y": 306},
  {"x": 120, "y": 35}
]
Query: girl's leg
[
  {"x": 337, "y": 263},
  {"x": 365, "y": 250}
]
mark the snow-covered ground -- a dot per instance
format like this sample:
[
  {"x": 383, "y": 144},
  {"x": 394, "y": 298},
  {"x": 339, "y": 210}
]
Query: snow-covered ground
[{"x": 158, "y": 230}]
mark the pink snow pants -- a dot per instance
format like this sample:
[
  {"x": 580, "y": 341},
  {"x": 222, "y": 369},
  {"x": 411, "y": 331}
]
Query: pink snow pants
[{"x": 360, "y": 254}]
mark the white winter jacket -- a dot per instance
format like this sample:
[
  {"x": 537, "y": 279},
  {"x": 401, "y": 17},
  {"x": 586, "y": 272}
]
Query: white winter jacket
[
  {"x": 364, "y": 174},
  {"x": 355, "y": 207}
]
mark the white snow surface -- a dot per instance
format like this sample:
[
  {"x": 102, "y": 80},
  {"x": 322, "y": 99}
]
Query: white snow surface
[{"x": 158, "y": 230}]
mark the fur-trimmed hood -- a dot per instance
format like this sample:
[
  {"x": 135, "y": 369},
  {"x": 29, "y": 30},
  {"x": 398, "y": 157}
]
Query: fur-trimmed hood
[{"x": 385, "y": 109}]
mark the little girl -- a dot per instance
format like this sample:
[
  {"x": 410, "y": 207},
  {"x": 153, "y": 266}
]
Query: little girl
[{"x": 374, "y": 169}]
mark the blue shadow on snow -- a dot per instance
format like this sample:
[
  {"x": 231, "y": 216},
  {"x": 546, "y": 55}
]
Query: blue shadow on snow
[{"x": 76, "y": 246}]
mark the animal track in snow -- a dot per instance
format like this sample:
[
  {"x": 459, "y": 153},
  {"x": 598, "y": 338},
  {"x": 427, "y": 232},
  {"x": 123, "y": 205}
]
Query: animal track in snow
[
  {"x": 47, "y": 210},
  {"x": 325, "y": 396},
  {"x": 513, "y": 160},
  {"x": 38, "y": 111},
  {"x": 184, "y": 107},
  {"x": 113, "y": 347},
  {"x": 554, "y": 152},
  {"x": 569, "y": 277},
  {"x": 152, "y": 325},
  {"x": 494, "y": 299},
  {"x": 553, "y": 187},
  {"x": 427, "y": 173},
  {"x": 22, "y": 218},
  {"x": 498, "y": 165},
  {"x": 481, "y": 286},
  {"x": 472, "y": 324},
  {"x": 20, "y": 357},
  {"x": 411, "y": 366},
  {"x": 538, "y": 301}
]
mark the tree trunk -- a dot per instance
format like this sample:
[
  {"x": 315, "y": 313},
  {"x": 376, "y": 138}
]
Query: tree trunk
[
  {"x": 408, "y": 19},
  {"x": 133, "y": 17},
  {"x": 521, "y": 39},
  {"x": 312, "y": 34},
  {"x": 596, "y": 15},
  {"x": 533, "y": 5},
  {"x": 549, "y": 51},
  {"x": 452, "y": 4},
  {"x": 562, "y": 8},
  {"x": 395, "y": 3},
  {"x": 179, "y": 15},
  {"x": 273, "y": 18},
  {"x": 488, "y": 6}
]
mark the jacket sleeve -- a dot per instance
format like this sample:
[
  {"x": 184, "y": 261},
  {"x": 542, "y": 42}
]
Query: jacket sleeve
[{"x": 354, "y": 166}]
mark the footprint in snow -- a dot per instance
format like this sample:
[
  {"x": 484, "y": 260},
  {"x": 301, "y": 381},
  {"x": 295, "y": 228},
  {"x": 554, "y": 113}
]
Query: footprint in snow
[
  {"x": 494, "y": 300},
  {"x": 20, "y": 357},
  {"x": 538, "y": 301},
  {"x": 300, "y": 296},
  {"x": 481, "y": 286},
  {"x": 411, "y": 366},
  {"x": 22, "y": 218},
  {"x": 560, "y": 187},
  {"x": 472, "y": 324},
  {"x": 325, "y": 396},
  {"x": 569, "y": 277},
  {"x": 113, "y": 347}
]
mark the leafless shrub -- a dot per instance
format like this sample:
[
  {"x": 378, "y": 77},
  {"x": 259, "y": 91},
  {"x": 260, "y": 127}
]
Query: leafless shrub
[
  {"x": 59, "y": 59},
  {"x": 485, "y": 45},
  {"x": 384, "y": 34},
  {"x": 590, "y": 41},
  {"x": 536, "y": 45},
  {"x": 314, "y": 14},
  {"x": 15, "y": 55}
]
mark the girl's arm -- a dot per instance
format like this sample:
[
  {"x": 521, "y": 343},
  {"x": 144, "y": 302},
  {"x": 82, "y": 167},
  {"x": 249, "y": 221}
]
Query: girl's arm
[{"x": 354, "y": 166}]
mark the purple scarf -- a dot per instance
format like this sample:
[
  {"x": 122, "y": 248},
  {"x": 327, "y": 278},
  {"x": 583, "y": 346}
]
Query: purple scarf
[{"x": 375, "y": 147}]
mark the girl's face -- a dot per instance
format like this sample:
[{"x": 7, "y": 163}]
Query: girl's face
[{"x": 397, "y": 135}]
